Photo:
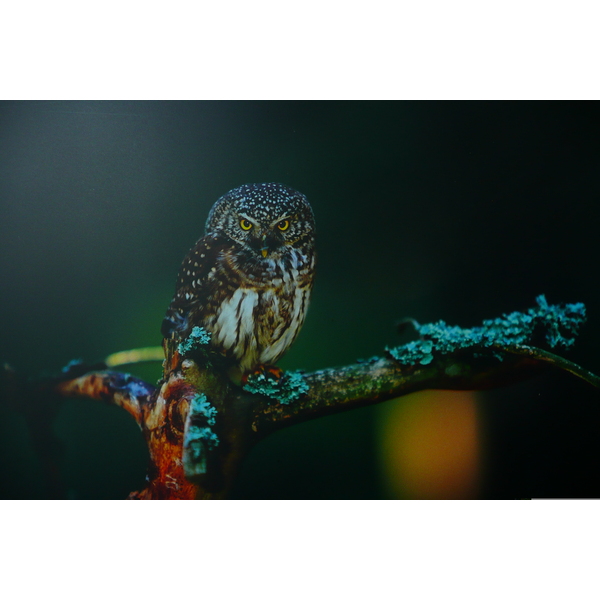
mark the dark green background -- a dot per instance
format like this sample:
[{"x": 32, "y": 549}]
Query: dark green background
[{"x": 434, "y": 210}]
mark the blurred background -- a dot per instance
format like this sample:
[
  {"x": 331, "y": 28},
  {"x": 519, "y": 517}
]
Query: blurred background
[{"x": 458, "y": 211}]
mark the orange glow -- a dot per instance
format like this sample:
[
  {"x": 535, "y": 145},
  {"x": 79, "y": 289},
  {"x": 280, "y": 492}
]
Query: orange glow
[{"x": 430, "y": 445}]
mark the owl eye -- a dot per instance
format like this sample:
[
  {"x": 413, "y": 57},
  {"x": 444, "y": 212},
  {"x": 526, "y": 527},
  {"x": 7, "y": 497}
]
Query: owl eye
[
  {"x": 245, "y": 225},
  {"x": 283, "y": 225}
]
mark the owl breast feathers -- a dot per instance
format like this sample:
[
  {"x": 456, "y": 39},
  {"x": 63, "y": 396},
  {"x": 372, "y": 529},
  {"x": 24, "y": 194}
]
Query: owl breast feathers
[{"x": 248, "y": 280}]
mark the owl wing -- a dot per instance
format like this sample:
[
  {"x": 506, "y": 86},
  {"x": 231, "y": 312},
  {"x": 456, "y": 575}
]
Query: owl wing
[{"x": 196, "y": 285}]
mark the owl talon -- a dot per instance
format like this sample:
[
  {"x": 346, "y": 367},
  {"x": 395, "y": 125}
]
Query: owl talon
[
  {"x": 266, "y": 370},
  {"x": 276, "y": 372}
]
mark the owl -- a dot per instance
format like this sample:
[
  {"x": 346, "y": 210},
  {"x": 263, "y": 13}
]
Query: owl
[{"x": 248, "y": 280}]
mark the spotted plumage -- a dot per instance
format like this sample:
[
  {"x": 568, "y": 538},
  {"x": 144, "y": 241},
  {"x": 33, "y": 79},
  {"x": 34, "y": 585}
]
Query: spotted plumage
[{"x": 248, "y": 280}]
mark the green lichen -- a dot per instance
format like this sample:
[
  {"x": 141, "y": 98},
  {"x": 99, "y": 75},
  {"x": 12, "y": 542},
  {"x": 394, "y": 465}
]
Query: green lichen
[
  {"x": 199, "y": 438},
  {"x": 204, "y": 435},
  {"x": 198, "y": 339},
  {"x": 196, "y": 444},
  {"x": 559, "y": 324},
  {"x": 289, "y": 387},
  {"x": 201, "y": 407}
]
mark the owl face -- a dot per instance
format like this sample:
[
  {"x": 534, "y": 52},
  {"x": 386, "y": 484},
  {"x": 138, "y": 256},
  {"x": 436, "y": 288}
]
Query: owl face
[{"x": 265, "y": 218}]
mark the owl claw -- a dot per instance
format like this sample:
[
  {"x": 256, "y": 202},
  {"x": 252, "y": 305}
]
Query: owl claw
[
  {"x": 266, "y": 370},
  {"x": 276, "y": 372}
]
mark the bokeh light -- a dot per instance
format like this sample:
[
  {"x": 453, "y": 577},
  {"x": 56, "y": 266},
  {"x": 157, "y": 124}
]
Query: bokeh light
[{"x": 430, "y": 445}]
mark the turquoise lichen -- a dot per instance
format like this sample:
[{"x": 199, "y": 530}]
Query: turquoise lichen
[
  {"x": 205, "y": 435},
  {"x": 289, "y": 387},
  {"x": 559, "y": 323},
  {"x": 195, "y": 445},
  {"x": 198, "y": 338},
  {"x": 199, "y": 437},
  {"x": 200, "y": 406}
]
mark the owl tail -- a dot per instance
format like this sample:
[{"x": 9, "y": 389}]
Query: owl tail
[
  {"x": 170, "y": 347},
  {"x": 173, "y": 326},
  {"x": 173, "y": 323}
]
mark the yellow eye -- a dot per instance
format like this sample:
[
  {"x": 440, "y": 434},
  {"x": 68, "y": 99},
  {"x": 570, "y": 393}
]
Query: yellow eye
[
  {"x": 283, "y": 225},
  {"x": 245, "y": 225}
]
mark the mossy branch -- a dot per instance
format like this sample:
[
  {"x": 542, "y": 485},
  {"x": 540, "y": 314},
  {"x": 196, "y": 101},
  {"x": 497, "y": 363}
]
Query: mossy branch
[
  {"x": 199, "y": 425},
  {"x": 339, "y": 389}
]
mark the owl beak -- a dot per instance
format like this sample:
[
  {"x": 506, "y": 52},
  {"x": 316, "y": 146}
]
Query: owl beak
[{"x": 264, "y": 250}]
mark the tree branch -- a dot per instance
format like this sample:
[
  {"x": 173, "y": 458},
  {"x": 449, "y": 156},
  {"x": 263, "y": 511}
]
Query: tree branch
[
  {"x": 336, "y": 390},
  {"x": 199, "y": 425}
]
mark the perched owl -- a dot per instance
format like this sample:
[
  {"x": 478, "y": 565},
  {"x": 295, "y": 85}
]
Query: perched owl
[{"x": 248, "y": 280}]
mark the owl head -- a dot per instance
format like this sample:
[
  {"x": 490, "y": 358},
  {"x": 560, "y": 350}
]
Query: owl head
[{"x": 265, "y": 217}]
